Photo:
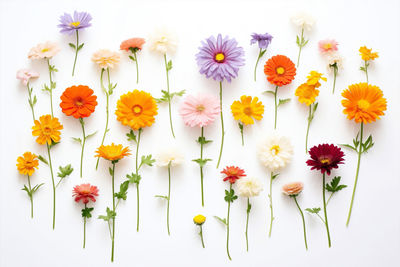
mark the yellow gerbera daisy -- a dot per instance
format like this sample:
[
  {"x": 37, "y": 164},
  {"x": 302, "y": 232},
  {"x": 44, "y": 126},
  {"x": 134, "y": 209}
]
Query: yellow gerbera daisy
[
  {"x": 307, "y": 93},
  {"x": 367, "y": 54},
  {"x": 112, "y": 152},
  {"x": 47, "y": 129},
  {"x": 27, "y": 163},
  {"x": 247, "y": 109},
  {"x": 136, "y": 109},
  {"x": 314, "y": 77}
]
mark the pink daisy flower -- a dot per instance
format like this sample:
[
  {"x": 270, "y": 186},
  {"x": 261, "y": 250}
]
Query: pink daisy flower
[
  {"x": 85, "y": 192},
  {"x": 200, "y": 110},
  {"x": 328, "y": 45}
]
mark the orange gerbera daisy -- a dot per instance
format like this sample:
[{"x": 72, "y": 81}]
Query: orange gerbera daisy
[
  {"x": 363, "y": 102},
  {"x": 246, "y": 109},
  {"x": 47, "y": 129},
  {"x": 367, "y": 54},
  {"x": 78, "y": 101},
  {"x": 307, "y": 93},
  {"x": 112, "y": 152},
  {"x": 136, "y": 109},
  {"x": 27, "y": 164},
  {"x": 280, "y": 70}
]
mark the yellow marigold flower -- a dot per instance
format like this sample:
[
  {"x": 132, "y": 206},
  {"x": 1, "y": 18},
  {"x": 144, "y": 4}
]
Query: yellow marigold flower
[
  {"x": 47, "y": 129},
  {"x": 112, "y": 152},
  {"x": 363, "y": 102},
  {"x": 246, "y": 109},
  {"x": 307, "y": 93},
  {"x": 367, "y": 54},
  {"x": 136, "y": 109},
  {"x": 314, "y": 77},
  {"x": 199, "y": 219},
  {"x": 27, "y": 163}
]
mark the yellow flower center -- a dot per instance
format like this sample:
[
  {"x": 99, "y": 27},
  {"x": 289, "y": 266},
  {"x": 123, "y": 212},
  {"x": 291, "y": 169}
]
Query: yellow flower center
[
  {"x": 47, "y": 130},
  {"x": 79, "y": 102},
  {"x": 363, "y": 104},
  {"x": 325, "y": 160},
  {"x": 75, "y": 23},
  {"x": 248, "y": 111},
  {"x": 200, "y": 108},
  {"x": 280, "y": 70},
  {"x": 137, "y": 110},
  {"x": 219, "y": 57},
  {"x": 328, "y": 46},
  {"x": 45, "y": 50},
  {"x": 275, "y": 149}
]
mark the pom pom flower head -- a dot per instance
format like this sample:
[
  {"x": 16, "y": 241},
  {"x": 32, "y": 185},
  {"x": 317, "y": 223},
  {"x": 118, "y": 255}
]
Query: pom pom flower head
[
  {"x": 246, "y": 111},
  {"x": 200, "y": 111},
  {"x": 263, "y": 41},
  {"x": 69, "y": 25},
  {"x": 280, "y": 70},
  {"x": 79, "y": 102},
  {"x": 220, "y": 59},
  {"x": 85, "y": 193},
  {"x": 25, "y": 75},
  {"x": 133, "y": 45},
  {"x": 304, "y": 22},
  {"x": 199, "y": 220}
]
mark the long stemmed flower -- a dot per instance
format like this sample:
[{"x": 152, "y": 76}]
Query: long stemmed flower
[
  {"x": 305, "y": 22},
  {"x": 200, "y": 111},
  {"x": 71, "y": 25},
  {"x": 307, "y": 93},
  {"x": 26, "y": 165},
  {"x": 106, "y": 60},
  {"x": 249, "y": 187},
  {"x": 200, "y": 220},
  {"x": 113, "y": 153},
  {"x": 79, "y": 102},
  {"x": 274, "y": 153},
  {"x": 231, "y": 174},
  {"x": 329, "y": 50},
  {"x": 325, "y": 157},
  {"x": 220, "y": 58},
  {"x": 168, "y": 158},
  {"x": 263, "y": 41},
  {"x": 46, "y": 51},
  {"x": 133, "y": 45},
  {"x": 367, "y": 55},
  {"x": 246, "y": 111},
  {"x": 364, "y": 103},
  {"x": 137, "y": 110},
  {"x": 165, "y": 42},
  {"x": 25, "y": 75},
  {"x": 293, "y": 190},
  {"x": 86, "y": 193},
  {"x": 48, "y": 132},
  {"x": 280, "y": 70}
]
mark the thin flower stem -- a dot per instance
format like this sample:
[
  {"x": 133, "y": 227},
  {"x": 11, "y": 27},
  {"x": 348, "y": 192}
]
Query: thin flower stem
[
  {"x": 241, "y": 133},
  {"x": 304, "y": 223},
  {"x": 76, "y": 52},
  {"x": 255, "y": 68},
  {"x": 107, "y": 112},
  {"x": 169, "y": 96},
  {"x": 227, "y": 227},
  {"x": 325, "y": 213},
  {"x": 357, "y": 172},
  {"x": 169, "y": 194},
  {"x": 329, "y": 198},
  {"x": 300, "y": 46},
  {"x": 247, "y": 223},
  {"x": 113, "y": 226},
  {"x": 51, "y": 86},
  {"x": 270, "y": 204},
  {"x": 137, "y": 173},
  {"x": 222, "y": 125},
  {"x": 30, "y": 195},
  {"x": 30, "y": 101},
  {"x": 84, "y": 230},
  {"x": 137, "y": 68},
  {"x": 335, "y": 71},
  {"x": 83, "y": 142},
  {"x": 54, "y": 187},
  {"x": 201, "y": 167},
  {"x": 276, "y": 105},
  {"x": 366, "y": 69},
  {"x": 201, "y": 235},
  {"x": 308, "y": 126}
]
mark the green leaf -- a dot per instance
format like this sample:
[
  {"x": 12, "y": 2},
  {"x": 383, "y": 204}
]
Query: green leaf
[
  {"x": 240, "y": 127},
  {"x": 87, "y": 212},
  {"x": 123, "y": 188},
  {"x": 131, "y": 136},
  {"x": 160, "y": 196},
  {"x": 201, "y": 162},
  {"x": 65, "y": 171},
  {"x": 110, "y": 170},
  {"x": 134, "y": 178},
  {"x": 248, "y": 208},
  {"x": 262, "y": 52},
  {"x": 111, "y": 88},
  {"x": 298, "y": 40},
  {"x": 221, "y": 220},
  {"x": 147, "y": 160},
  {"x": 166, "y": 97},
  {"x": 110, "y": 215},
  {"x": 132, "y": 58},
  {"x": 91, "y": 135},
  {"x": 334, "y": 186},
  {"x": 27, "y": 191},
  {"x": 169, "y": 65},
  {"x": 34, "y": 100},
  {"x": 203, "y": 140},
  {"x": 77, "y": 139},
  {"x": 54, "y": 144},
  {"x": 270, "y": 92},
  {"x": 283, "y": 101},
  {"x": 367, "y": 144},
  {"x": 230, "y": 196},
  {"x": 36, "y": 188},
  {"x": 349, "y": 146},
  {"x": 274, "y": 176},
  {"x": 72, "y": 45},
  {"x": 80, "y": 47},
  {"x": 313, "y": 210},
  {"x": 42, "y": 159}
]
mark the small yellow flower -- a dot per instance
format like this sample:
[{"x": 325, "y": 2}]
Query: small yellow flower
[
  {"x": 112, "y": 152},
  {"x": 47, "y": 129},
  {"x": 307, "y": 93},
  {"x": 199, "y": 219},
  {"x": 314, "y": 77},
  {"x": 367, "y": 54},
  {"x": 247, "y": 109},
  {"x": 27, "y": 164}
]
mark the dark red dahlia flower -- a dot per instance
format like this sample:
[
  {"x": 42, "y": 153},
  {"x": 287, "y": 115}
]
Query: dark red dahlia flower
[
  {"x": 233, "y": 173},
  {"x": 325, "y": 157}
]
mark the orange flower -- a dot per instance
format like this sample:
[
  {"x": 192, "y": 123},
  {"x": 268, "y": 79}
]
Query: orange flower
[
  {"x": 133, "y": 43},
  {"x": 367, "y": 54},
  {"x": 112, "y": 152},
  {"x": 136, "y": 109},
  {"x": 47, "y": 129},
  {"x": 78, "y": 101},
  {"x": 27, "y": 164},
  {"x": 306, "y": 93},
  {"x": 280, "y": 70},
  {"x": 363, "y": 102},
  {"x": 246, "y": 109}
]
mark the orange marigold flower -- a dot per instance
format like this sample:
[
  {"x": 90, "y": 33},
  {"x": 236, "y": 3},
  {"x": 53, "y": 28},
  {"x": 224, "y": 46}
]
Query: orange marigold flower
[
  {"x": 363, "y": 102},
  {"x": 306, "y": 93},
  {"x": 246, "y": 109},
  {"x": 280, "y": 70},
  {"x": 27, "y": 163},
  {"x": 136, "y": 109},
  {"x": 233, "y": 173},
  {"x": 112, "y": 152},
  {"x": 47, "y": 129},
  {"x": 78, "y": 101},
  {"x": 133, "y": 43},
  {"x": 367, "y": 54}
]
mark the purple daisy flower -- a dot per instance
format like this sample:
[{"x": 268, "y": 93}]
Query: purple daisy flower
[
  {"x": 220, "y": 58},
  {"x": 69, "y": 25},
  {"x": 263, "y": 40}
]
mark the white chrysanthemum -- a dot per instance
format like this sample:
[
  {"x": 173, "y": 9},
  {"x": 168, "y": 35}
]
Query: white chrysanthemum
[
  {"x": 169, "y": 156},
  {"x": 303, "y": 20},
  {"x": 249, "y": 186},
  {"x": 275, "y": 152},
  {"x": 333, "y": 58},
  {"x": 163, "y": 41}
]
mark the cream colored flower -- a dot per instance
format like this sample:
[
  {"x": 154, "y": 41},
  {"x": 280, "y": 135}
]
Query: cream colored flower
[
  {"x": 163, "y": 41},
  {"x": 106, "y": 58},
  {"x": 333, "y": 58},
  {"x": 249, "y": 186},
  {"x": 275, "y": 152},
  {"x": 303, "y": 20},
  {"x": 293, "y": 189},
  {"x": 44, "y": 50},
  {"x": 171, "y": 155}
]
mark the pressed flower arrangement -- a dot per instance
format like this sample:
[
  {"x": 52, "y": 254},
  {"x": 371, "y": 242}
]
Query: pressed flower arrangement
[
  {"x": 263, "y": 41},
  {"x": 25, "y": 75},
  {"x": 133, "y": 45}
]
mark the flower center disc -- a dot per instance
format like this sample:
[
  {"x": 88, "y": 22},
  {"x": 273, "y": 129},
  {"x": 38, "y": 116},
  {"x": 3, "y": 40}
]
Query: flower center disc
[
  {"x": 45, "y": 50},
  {"x": 75, "y": 23},
  {"x": 137, "y": 110},
  {"x": 47, "y": 130},
  {"x": 280, "y": 70},
  {"x": 247, "y": 111},
  {"x": 219, "y": 57},
  {"x": 275, "y": 149},
  {"x": 363, "y": 104},
  {"x": 324, "y": 160},
  {"x": 79, "y": 102},
  {"x": 200, "y": 108},
  {"x": 328, "y": 46}
]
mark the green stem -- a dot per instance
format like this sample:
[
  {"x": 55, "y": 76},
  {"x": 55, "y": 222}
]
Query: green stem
[
  {"x": 113, "y": 226},
  {"x": 276, "y": 105},
  {"x": 329, "y": 198},
  {"x": 76, "y": 52},
  {"x": 169, "y": 97},
  {"x": 51, "y": 87},
  {"x": 84, "y": 230},
  {"x": 335, "y": 71},
  {"x": 270, "y": 204},
  {"x": 54, "y": 187},
  {"x": 300, "y": 46},
  {"x": 137, "y": 68},
  {"x": 222, "y": 124},
  {"x": 247, "y": 223},
  {"x": 255, "y": 68},
  {"x": 304, "y": 223},
  {"x": 83, "y": 142},
  {"x": 201, "y": 235},
  {"x": 308, "y": 126},
  {"x": 241, "y": 132},
  {"x": 169, "y": 194},
  {"x": 137, "y": 173},
  {"x": 325, "y": 213},
  {"x": 227, "y": 227},
  {"x": 107, "y": 112},
  {"x": 201, "y": 167},
  {"x": 357, "y": 172},
  {"x": 30, "y": 101},
  {"x": 30, "y": 195},
  {"x": 366, "y": 69}
]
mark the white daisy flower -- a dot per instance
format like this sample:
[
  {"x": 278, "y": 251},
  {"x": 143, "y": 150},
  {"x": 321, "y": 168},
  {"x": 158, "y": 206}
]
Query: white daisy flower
[{"x": 275, "y": 152}]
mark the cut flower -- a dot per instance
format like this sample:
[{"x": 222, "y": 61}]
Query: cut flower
[{"x": 325, "y": 157}]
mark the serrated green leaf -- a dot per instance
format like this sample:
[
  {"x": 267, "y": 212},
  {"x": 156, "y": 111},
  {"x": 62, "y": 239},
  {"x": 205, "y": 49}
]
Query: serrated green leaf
[
  {"x": 134, "y": 178},
  {"x": 42, "y": 159},
  {"x": 65, "y": 171},
  {"x": 147, "y": 160},
  {"x": 313, "y": 210},
  {"x": 334, "y": 186},
  {"x": 201, "y": 162},
  {"x": 87, "y": 212},
  {"x": 131, "y": 136},
  {"x": 230, "y": 195},
  {"x": 123, "y": 188},
  {"x": 203, "y": 140},
  {"x": 110, "y": 215}
]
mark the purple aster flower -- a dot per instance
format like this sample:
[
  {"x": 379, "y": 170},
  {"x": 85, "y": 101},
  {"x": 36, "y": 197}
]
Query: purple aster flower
[
  {"x": 220, "y": 58},
  {"x": 263, "y": 40},
  {"x": 69, "y": 25}
]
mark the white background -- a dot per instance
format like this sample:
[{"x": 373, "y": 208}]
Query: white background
[{"x": 372, "y": 239}]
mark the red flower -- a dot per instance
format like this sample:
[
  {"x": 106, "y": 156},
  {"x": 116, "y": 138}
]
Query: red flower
[
  {"x": 325, "y": 157},
  {"x": 233, "y": 173},
  {"x": 86, "y": 192}
]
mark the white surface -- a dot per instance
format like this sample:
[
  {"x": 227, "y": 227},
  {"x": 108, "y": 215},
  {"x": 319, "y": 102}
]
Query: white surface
[{"x": 373, "y": 236}]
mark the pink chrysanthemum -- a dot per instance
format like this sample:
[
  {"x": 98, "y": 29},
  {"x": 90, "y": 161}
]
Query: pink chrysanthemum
[
  {"x": 200, "y": 110},
  {"x": 327, "y": 46},
  {"x": 85, "y": 192}
]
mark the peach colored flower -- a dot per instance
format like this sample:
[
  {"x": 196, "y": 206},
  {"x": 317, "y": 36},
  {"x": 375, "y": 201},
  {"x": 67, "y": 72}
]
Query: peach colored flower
[
  {"x": 44, "y": 50},
  {"x": 106, "y": 58},
  {"x": 135, "y": 43},
  {"x": 25, "y": 75},
  {"x": 328, "y": 46},
  {"x": 293, "y": 189}
]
